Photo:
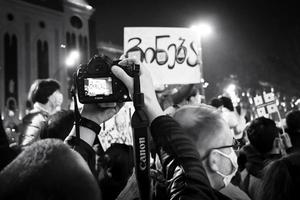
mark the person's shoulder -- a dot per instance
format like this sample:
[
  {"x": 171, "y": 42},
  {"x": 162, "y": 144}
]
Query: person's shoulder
[{"x": 35, "y": 117}]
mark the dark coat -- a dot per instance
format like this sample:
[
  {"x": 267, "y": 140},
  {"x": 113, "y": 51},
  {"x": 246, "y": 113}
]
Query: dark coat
[
  {"x": 254, "y": 164},
  {"x": 181, "y": 163}
]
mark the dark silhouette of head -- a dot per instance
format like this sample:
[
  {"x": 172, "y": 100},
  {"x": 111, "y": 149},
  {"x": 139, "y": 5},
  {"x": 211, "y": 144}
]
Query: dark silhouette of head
[
  {"x": 41, "y": 89},
  {"x": 282, "y": 179},
  {"x": 48, "y": 169},
  {"x": 117, "y": 165},
  {"x": 58, "y": 125},
  {"x": 293, "y": 127},
  {"x": 227, "y": 103},
  {"x": 215, "y": 102},
  {"x": 262, "y": 133}
]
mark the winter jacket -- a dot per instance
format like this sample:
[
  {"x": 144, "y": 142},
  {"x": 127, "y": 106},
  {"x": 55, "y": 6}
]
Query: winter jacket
[
  {"x": 32, "y": 125},
  {"x": 181, "y": 163},
  {"x": 251, "y": 175}
]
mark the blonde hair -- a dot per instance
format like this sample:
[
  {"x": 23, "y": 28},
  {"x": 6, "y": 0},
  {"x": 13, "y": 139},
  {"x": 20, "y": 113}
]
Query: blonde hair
[{"x": 202, "y": 123}]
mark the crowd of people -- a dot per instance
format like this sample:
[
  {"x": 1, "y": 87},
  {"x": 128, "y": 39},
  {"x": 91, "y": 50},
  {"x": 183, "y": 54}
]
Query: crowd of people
[{"x": 199, "y": 151}]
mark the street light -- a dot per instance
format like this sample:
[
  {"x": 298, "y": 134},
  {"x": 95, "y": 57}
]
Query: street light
[
  {"x": 231, "y": 91},
  {"x": 72, "y": 58},
  {"x": 203, "y": 30}
]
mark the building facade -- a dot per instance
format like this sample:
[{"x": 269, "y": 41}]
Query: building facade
[{"x": 35, "y": 39}]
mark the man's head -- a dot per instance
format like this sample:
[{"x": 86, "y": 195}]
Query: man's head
[
  {"x": 213, "y": 139},
  {"x": 58, "y": 125},
  {"x": 262, "y": 133},
  {"x": 116, "y": 168},
  {"x": 227, "y": 103},
  {"x": 293, "y": 127},
  {"x": 46, "y": 91},
  {"x": 48, "y": 169},
  {"x": 216, "y": 102}
]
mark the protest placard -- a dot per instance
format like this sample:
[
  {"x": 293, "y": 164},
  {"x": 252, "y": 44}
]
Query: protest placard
[
  {"x": 118, "y": 128},
  {"x": 171, "y": 54},
  {"x": 266, "y": 106}
]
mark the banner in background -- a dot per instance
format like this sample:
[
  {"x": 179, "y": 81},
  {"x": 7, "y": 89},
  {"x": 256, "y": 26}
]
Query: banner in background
[
  {"x": 118, "y": 128},
  {"x": 266, "y": 106}
]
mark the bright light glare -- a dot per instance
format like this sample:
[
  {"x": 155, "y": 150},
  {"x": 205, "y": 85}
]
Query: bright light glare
[
  {"x": 89, "y": 7},
  {"x": 231, "y": 89},
  {"x": 72, "y": 58},
  {"x": 202, "y": 29}
]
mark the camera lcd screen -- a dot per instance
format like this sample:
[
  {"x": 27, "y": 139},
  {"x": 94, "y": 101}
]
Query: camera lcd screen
[{"x": 98, "y": 86}]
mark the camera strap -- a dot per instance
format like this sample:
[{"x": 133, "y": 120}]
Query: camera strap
[
  {"x": 140, "y": 124},
  {"x": 76, "y": 113}
]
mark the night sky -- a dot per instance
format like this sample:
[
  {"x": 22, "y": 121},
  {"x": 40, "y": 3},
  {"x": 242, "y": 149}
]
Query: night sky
[{"x": 254, "y": 40}]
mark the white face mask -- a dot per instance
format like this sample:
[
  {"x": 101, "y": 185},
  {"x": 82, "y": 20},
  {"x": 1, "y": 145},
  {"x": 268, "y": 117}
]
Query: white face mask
[{"x": 233, "y": 159}]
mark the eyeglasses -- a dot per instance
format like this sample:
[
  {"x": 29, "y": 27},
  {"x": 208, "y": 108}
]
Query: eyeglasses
[{"x": 235, "y": 146}]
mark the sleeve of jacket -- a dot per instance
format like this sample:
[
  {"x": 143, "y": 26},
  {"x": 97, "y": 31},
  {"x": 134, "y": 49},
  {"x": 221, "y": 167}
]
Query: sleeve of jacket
[
  {"x": 193, "y": 184},
  {"x": 32, "y": 126}
]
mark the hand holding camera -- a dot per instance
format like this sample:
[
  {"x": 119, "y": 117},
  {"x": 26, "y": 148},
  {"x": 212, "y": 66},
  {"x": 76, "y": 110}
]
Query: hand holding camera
[
  {"x": 105, "y": 81},
  {"x": 152, "y": 106},
  {"x": 96, "y": 83}
]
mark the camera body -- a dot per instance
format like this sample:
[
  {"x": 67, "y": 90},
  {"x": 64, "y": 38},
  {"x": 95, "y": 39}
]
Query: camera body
[{"x": 97, "y": 84}]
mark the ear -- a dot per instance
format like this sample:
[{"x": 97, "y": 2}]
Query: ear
[{"x": 213, "y": 160}]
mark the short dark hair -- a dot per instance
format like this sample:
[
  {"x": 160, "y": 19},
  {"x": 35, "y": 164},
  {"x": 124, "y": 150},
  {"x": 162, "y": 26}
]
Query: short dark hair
[
  {"x": 119, "y": 157},
  {"x": 293, "y": 120},
  {"x": 58, "y": 125},
  {"x": 41, "y": 89},
  {"x": 215, "y": 102},
  {"x": 293, "y": 127},
  {"x": 48, "y": 169},
  {"x": 227, "y": 103},
  {"x": 261, "y": 133}
]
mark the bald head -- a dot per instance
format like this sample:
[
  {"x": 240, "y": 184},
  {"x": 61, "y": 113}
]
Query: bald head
[{"x": 204, "y": 125}]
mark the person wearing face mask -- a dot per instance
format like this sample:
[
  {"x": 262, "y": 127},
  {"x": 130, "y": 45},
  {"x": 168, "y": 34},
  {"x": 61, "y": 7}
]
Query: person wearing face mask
[
  {"x": 47, "y": 99},
  {"x": 216, "y": 145},
  {"x": 195, "y": 147},
  {"x": 195, "y": 132}
]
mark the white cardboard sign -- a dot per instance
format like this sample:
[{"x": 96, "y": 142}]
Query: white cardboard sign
[{"x": 171, "y": 54}]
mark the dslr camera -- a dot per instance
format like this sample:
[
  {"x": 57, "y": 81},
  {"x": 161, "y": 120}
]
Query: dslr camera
[{"x": 96, "y": 83}]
